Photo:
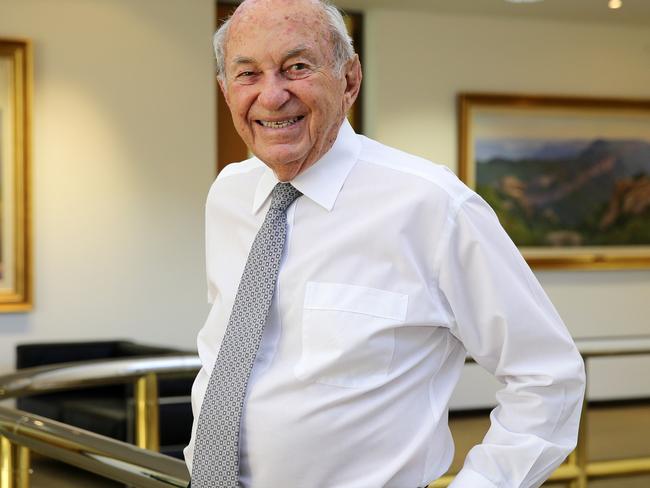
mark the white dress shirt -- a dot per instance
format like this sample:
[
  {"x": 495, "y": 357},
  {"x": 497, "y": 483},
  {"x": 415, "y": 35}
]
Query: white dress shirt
[{"x": 392, "y": 271}]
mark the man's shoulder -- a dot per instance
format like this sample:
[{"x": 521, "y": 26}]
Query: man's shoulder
[
  {"x": 241, "y": 168},
  {"x": 416, "y": 170},
  {"x": 236, "y": 177}
]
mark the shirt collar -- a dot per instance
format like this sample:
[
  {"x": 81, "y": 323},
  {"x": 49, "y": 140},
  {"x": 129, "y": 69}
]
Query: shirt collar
[{"x": 323, "y": 180}]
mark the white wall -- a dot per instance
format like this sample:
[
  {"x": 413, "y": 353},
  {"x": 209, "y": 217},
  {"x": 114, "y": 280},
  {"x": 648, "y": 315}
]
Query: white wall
[
  {"x": 123, "y": 139},
  {"x": 416, "y": 62}
]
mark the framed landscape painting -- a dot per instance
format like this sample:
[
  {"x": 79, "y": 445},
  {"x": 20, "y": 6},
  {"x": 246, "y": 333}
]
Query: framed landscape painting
[
  {"x": 15, "y": 110},
  {"x": 569, "y": 178}
]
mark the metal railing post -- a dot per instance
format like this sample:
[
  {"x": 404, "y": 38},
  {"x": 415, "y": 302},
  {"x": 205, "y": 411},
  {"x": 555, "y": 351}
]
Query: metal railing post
[
  {"x": 147, "y": 428},
  {"x": 6, "y": 463},
  {"x": 580, "y": 454},
  {"x": 572, "y": 461},
  {"x": 21, "y": 466},
  {"x": 442, "y": 482}
]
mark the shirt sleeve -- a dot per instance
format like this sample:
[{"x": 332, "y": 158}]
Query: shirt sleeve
[{"x": 506, "y": 322}]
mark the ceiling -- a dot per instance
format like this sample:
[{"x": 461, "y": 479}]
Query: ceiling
[{"x": 636, "y": 12}]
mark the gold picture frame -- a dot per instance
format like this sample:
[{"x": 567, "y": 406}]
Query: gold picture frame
[
  {"x": 568, "y": 177},
  {"x": 15, "y": 154}
]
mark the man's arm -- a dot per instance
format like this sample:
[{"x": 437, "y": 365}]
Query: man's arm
[{"x": 506, "y": 322}]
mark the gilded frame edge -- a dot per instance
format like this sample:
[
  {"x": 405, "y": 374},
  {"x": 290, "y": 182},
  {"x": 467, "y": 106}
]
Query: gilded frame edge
[
  {"x": 20, "y": 299},
  {"x": 587, "y": 260}
]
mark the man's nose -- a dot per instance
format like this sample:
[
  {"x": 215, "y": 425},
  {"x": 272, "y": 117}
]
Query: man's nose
[{"x": 274, "y": 93}]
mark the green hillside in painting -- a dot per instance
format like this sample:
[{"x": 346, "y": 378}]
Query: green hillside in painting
[{"x": 578, "y": 193}]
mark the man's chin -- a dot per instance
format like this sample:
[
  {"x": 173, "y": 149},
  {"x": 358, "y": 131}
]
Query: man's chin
[
  {"x": 285, "y": 166},
  {"x": 280, "y": 157}
]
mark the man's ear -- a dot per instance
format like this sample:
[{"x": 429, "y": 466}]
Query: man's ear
[
  {"x": 222, "y": 86},
  {"x": 353, "y": 76}
]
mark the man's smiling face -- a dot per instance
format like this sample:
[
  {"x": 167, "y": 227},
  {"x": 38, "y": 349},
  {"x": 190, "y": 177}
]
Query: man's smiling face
[{"x": 286, "y": 98}]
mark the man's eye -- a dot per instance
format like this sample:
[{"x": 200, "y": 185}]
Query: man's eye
[
  {"x": 297, "y": 71},
  {"x": 246, "y": 77}
]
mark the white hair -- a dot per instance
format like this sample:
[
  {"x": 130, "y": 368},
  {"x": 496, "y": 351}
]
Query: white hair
[{"x": 342, "y": 48}]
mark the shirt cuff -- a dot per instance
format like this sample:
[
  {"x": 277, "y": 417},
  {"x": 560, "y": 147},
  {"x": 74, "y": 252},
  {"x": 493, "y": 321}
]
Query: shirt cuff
[{"x": 466, "y": 478}]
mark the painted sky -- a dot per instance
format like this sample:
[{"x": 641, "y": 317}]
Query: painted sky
[{"x": 545, "y": 123}]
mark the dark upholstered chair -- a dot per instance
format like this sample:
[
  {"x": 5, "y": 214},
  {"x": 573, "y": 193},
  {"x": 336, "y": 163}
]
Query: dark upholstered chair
[{"x": 108, "y": 410}]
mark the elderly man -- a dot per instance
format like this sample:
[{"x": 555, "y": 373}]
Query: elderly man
[{"x": 349, "y": 280}]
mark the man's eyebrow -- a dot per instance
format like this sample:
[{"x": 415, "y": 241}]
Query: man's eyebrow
[
  {"x": 301, "y": 50},
  {"x": 242, "y": 60},
  {"x": 296, "y": 51}
]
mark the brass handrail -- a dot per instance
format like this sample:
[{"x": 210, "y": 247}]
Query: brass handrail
[
  {"x": 614, "y": 346},
  {"x": 96, "y": 372},
  {"x": 22, "y": 432},
  {"x": 143, "y": 372}
]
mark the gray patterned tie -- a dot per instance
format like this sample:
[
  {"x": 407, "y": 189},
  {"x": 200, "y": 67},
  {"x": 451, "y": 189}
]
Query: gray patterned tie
[{"x": 216, "y": 449}]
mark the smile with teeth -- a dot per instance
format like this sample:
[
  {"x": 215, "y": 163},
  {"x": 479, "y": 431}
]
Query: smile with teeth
[{"x": 279, "y": 124}]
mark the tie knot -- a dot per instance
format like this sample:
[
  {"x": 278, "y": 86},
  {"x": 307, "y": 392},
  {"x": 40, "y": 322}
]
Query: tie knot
[{"x": 283, "y": 195}]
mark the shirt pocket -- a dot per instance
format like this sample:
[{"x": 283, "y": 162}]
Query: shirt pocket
[{"x": 348, "y": 334}]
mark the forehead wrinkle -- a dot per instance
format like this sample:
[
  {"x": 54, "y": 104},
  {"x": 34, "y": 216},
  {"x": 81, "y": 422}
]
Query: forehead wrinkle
[{"x": 258, "y": 14}]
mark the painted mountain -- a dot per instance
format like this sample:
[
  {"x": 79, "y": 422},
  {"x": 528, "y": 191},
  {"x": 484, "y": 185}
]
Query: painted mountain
[{"x": 568, "y": 192}]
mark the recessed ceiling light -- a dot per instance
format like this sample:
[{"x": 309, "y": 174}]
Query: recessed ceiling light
[{"x": 614, "y": 4}]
